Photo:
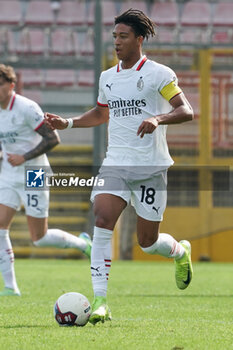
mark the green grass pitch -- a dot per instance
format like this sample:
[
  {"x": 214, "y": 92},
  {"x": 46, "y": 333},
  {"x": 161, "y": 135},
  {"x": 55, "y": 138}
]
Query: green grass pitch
[{"x": 148, "y": 310}]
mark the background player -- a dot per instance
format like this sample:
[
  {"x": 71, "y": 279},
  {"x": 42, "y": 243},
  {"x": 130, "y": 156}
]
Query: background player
[
  {"x": 138, "y": 97},
  {"x": 25, "y": 139}
]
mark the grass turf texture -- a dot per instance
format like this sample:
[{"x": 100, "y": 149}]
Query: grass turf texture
[{"x": 149, "y": 312}]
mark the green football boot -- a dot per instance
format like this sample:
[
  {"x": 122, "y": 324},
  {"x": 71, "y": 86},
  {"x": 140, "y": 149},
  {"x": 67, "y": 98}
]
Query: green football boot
[
  {"x": 8, "y": 292},
  {"x": 100, "y": 311},
  {"x": 184, "y": 269},
  {"x": 87, "y": 238}
]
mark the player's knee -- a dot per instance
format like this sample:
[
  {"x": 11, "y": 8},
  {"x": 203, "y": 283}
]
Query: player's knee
[{"x": 103, "y": 222}]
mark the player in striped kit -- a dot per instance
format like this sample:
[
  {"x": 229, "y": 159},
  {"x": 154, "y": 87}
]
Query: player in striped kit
[
  {"x": 138, "y": 98},
  {"x": 25, "y": 139}
]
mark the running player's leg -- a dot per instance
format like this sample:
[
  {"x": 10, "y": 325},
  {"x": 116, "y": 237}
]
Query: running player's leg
[
  {"x": 6, "y": 252},
  {"x": 36, "y": 206},
  {"x": 107, "y": 209},
  {"x": 153, "y": 242},
  {"x": 149, "y": 200},
  {"x": 44, "y": 237}
]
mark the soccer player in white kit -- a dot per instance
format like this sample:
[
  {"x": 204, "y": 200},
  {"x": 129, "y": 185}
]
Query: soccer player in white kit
[
  {"x": 138, "y": 98},
  {"x": 25, "y": 139}
]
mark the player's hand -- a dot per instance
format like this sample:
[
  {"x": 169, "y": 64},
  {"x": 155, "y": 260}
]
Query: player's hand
[
  {"x": 53, "y": 121},
  {"x": 147, "y": 126},
  {"x": 15, "y": 159}
]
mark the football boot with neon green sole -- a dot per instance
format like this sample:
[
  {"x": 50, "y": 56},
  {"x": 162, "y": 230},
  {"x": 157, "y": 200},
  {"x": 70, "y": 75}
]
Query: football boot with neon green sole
[
  {"x": 8, "y": 292},
  {"x": 184, "y": 269},
  {"x": 100, "y": 311},
  {"x": 87, "y": 238}
]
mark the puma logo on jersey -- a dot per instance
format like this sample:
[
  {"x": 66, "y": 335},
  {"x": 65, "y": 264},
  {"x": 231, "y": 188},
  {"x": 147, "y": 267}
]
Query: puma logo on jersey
[
  {"x": 156, "y": 209},
  {"x": 109, "y": 86}
]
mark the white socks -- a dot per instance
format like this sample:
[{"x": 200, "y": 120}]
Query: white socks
[
  {"x": 61, "y": 239},
  {"x": 101, "y": 259},
  {"x": 101, "y": 255},
  {"x": 7, "y": 261},
  {"x": 166, "y": 246}
]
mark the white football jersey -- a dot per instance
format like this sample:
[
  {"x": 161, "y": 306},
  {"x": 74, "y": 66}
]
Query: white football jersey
[
  {"x": 19, "y": 122},
  {"x": 133, "y": 95}
]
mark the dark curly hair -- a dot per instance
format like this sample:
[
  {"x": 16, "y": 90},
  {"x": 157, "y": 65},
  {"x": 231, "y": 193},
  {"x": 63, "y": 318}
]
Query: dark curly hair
[{"x": 140, "y": 23}]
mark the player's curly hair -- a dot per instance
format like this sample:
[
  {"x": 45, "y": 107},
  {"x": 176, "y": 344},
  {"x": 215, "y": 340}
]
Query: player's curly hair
[
  {"x": 140, "y": 23},
  {"x": 7, "y": 73}
]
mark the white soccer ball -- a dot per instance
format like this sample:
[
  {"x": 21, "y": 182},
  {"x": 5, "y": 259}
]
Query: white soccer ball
[{"x": 72, "y": 309}]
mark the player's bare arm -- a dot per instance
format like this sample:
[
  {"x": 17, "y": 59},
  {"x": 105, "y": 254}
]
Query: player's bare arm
[
  {"x": 182, "y": 112},
  {"x": 50, "y": 139},
  {"x": 96, "y": 116}
]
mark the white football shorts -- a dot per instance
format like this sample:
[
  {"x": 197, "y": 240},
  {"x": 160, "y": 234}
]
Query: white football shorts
[
  {"x": 35, "y": 202},
  {"x": 148, "y": 196}
]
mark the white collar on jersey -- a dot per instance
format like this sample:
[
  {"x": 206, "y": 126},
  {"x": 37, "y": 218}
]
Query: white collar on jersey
[{"x": 138, "y": 65}]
